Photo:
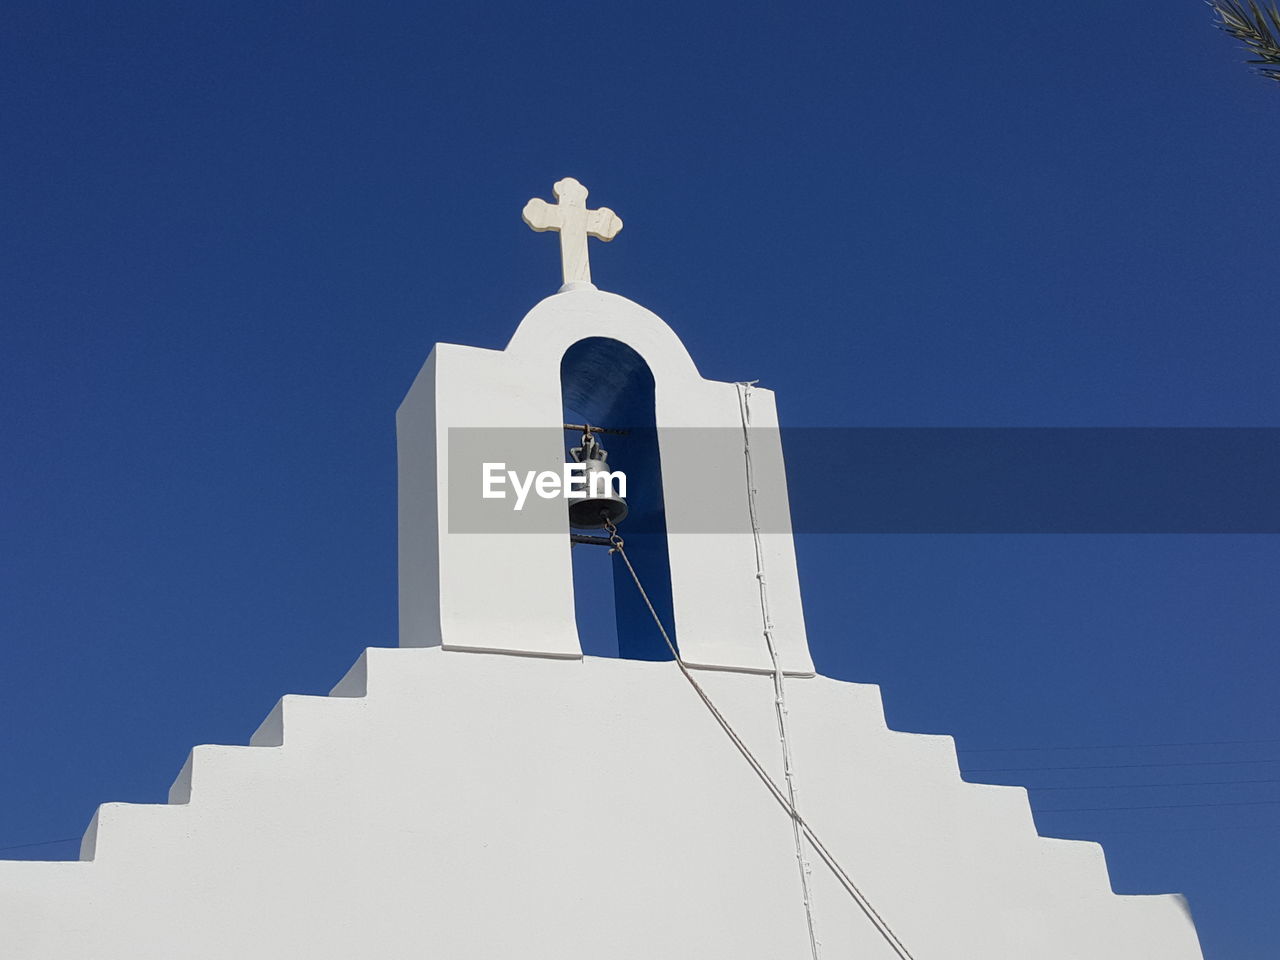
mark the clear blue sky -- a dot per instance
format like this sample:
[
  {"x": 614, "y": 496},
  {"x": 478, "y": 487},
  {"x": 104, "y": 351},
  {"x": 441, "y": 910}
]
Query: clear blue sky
[{"x": 232, "y": 234}]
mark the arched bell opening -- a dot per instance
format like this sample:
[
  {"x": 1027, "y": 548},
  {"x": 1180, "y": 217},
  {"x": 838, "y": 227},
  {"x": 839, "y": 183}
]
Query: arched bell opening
[{"x": 604, "y": 383}]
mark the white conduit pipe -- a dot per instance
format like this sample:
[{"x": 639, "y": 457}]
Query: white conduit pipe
[{"x": 779, "y": 695}]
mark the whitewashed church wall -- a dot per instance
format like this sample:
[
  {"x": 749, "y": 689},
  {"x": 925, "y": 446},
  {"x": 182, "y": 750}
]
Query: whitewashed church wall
[{"x": 483, "y": 806}]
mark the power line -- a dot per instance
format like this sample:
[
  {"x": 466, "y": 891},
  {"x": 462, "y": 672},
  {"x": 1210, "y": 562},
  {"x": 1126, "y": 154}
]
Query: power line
[
  {"x": 1122, "y": 766},
  {"x": 1119, "y": 746},
  {"x": 1265, "y": 829},
  {"x": 1127, "y": 786},
  {"x": 1165, "y": 806},
  {"x": 38, "y": 843}
]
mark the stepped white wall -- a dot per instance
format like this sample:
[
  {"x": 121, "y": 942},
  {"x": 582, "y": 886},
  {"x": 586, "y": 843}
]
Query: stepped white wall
[{"x": 489, "y": 806}]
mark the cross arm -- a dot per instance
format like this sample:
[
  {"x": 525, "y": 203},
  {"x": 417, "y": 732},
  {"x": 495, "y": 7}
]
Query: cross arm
[
  {"x": 542, "y": 216},
  {"x": 603, "y": 223}
]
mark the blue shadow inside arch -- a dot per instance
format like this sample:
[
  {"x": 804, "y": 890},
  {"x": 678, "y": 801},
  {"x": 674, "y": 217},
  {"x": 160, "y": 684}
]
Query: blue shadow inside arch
[{"x": 608, "y": 384}]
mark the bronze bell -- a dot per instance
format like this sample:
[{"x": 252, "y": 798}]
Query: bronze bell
[{"x": 601, "y": 503}]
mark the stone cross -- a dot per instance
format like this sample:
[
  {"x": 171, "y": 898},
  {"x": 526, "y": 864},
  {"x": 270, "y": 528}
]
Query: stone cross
[{"x": 571, "y": 218}]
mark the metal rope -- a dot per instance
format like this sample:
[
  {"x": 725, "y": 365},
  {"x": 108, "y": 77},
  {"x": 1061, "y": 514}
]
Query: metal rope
[{"x": 819, "y": 847}]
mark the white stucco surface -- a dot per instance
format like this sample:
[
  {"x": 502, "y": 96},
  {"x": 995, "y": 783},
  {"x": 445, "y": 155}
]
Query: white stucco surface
[{"x": 467, "y": 805}]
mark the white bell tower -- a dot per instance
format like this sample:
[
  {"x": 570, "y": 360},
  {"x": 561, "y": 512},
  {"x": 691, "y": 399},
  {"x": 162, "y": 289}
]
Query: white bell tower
[{"x": 476, "y": 574}]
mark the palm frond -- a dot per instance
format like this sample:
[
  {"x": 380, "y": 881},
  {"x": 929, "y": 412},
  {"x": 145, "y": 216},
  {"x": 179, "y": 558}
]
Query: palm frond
[{"x": 1257, "y": 26}]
